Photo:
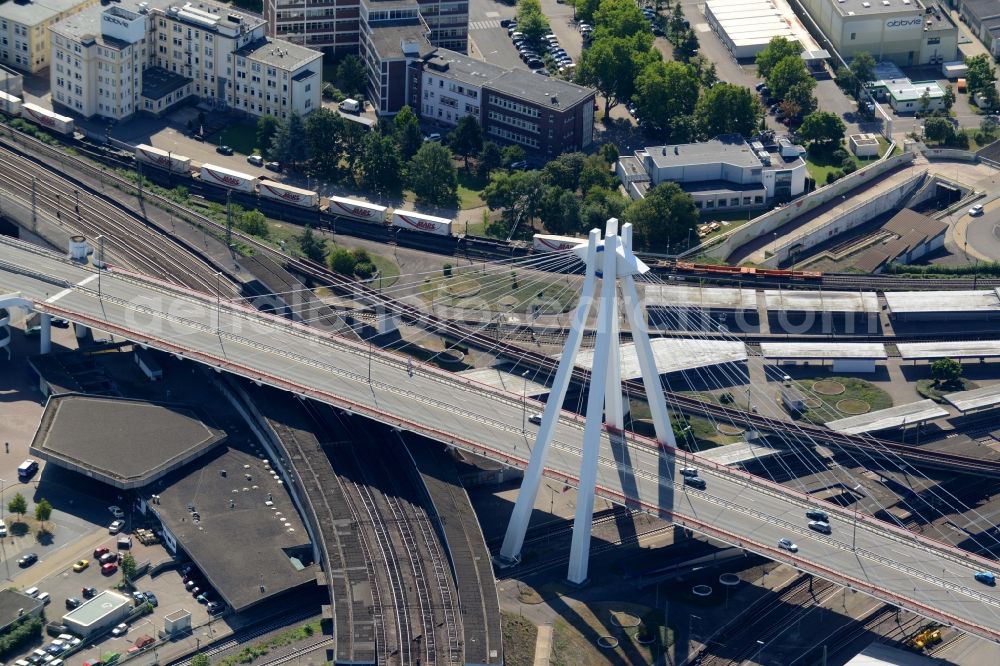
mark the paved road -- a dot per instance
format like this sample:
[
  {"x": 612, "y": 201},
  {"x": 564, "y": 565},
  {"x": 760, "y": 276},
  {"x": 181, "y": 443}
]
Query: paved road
[{"x": 916, "y": 573}]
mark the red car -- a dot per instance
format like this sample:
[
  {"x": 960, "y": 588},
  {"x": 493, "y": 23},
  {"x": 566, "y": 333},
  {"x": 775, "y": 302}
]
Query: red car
[
  {"x": 100, "y": 551},
  {"x": 109, "y": 568}
]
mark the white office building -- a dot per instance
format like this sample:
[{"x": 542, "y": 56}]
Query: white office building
[
  {"x": 24, "y": 30},
  {"x": 149, "y": 56},
  {"x": 727, "y": 173}
]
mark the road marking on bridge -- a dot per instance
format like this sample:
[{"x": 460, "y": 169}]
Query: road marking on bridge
[{"x": 62, "y": 293}]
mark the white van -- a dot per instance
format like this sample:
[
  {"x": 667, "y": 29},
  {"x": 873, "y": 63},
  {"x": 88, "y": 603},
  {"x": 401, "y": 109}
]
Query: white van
[
  {"x": 350, "y": 105},
  {"x": 31, "y": 591},
  {"x": 44, "y": 597}
]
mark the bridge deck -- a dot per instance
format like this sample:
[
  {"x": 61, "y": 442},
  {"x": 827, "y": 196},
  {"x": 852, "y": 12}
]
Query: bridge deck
[{"x": 889, "y": 563}]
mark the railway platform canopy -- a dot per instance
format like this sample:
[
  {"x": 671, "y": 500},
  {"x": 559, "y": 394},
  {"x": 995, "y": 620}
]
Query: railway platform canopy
[
  {"x": 845, "y": 356},
  {"x": 912, "y": 413},
  {"x": 986, "y": 397},
  {"x": 673, "y": 355},
  {"x": 852, "y": 302},
  {"x": 938, "y": 305},
  {"x": 930, "y": 351},
  {"x": 706, "y": 298}
]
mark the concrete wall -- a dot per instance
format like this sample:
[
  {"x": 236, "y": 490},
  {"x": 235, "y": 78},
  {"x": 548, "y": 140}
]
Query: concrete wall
[
  {"x": 771, "y": 221},
  {"x": 854, "y": 217},
  {"x": 949, "y": 154}
]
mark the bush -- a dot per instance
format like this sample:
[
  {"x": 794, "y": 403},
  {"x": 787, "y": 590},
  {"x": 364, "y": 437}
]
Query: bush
[
  {"x": 361, "y": 256},
  {"x": 364, "y": 269},
  {"x": 26, "y": 630},
  {"x": 850, "y": 168},
  {"x": 342, "y": 261},
  {"x": 961, "y": 141},
  {"x": 447, "y": 270},
  {"x": 839, "y": 156},
  {"x": 833, "y": 176},
  {"x": 726, "y": 398}
]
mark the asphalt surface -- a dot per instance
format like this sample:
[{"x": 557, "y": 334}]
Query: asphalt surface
[{"x": 922, "y": 575}]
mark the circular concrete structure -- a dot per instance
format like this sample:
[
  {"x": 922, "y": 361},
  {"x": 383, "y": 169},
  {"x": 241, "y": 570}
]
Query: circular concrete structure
[
  {"x": 729, "y": 580},
  {"x": 701, "y": 591}
]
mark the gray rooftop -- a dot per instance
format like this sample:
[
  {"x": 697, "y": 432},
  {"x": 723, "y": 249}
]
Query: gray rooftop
[
  {"x": 219, "y": 10},
  {"x": 388, "y": 40},
  {"x": 12, "y": 601},
  {"x": 913, "y": 351},
  {"x": 982, "y": 9},
  {"x": 875, "y": 7},
  {"x": 541, "y": 90},
  {"x": 235, "y": 525},
  {"x": 34, "y": 12},
  {"x": 980, "y": 398},
  {"x": 279, "y": 53},
  {"x": 911, "y": 413},
  {"x": 88, "y": 21},
  {"x": 126, "y": 443},
  {"x": 900, "y": 302},
  {"x": 158, "y": 82},
  {"x": 821, "y": 301},
  {"x": 461, "y": 67},
  {"x": 673, "y": 355},
  {"x": 822, "y": 350},
  {"x": 740, "y": 452},
  {"x": 686, "y": 296},
  {"x": 728, "y": 150}
]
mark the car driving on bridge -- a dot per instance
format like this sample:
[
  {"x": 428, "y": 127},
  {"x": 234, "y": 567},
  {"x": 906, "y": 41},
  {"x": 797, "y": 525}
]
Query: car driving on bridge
[
  {"x": 816, "y": 514},
  {"x": 820, "y": 526},
  {"x": 788, "y": 544},
  {"x": 986, "y": 578}
]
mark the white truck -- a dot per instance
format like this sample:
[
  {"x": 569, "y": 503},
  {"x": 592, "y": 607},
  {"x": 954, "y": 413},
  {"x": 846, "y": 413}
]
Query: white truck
[
  {"x": 427, "y": 224},
  {"x": 234, "y": 180},
  {"x": 270, "y": 189},
  {"x": 163, "y": 159},
  {"x": 350, "y": 106},
  {"x": 10, "y": 104},
  {"x": 359, "y": 210}
]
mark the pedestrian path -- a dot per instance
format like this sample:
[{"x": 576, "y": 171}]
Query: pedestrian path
[
  {"x": 484, "y": 25},
  {"x": 543, "y": 645}
]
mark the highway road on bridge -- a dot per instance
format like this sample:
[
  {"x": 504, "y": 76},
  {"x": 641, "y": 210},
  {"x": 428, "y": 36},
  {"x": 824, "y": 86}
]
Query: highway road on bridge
[{"x": 908, "y": 570}]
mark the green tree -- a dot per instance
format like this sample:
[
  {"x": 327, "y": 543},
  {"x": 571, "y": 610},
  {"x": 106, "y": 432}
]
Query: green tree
[
  {"x": 801, "y": 95},
  {"x": 490, "y": 158},
  {"x": 254, "y": 223},
  {"x": 924, "y": 103},
  {"x": 201, "y": 660},
  {"x": 686, "y": 45},
  {"x": 530, "y": 20},
  {"x": 510, "y": 154},
  {"x": 322, "y": 138},
  {"x": 939, "y": 129},
  {"x": 351, "y": 74},
  {"x": 988, "y": 126},
  {"x": 612, "y": 64},
  {"x": 980, "y": 74},
  {"x": 618, "y": 18},
  {"x": 665, "y": 216},
  {"x": 352, "y": 137},
  {"x": 823, "y": 126},
  {"x": 776, "y": 50},
  {"x": 728, "y": 109},
  {"x": 312, "y": 247},
  {"x": 287, "y": 145},
  {"x": 609, "y": 152},
  {"x": 675, "y": 24},
  {"x": 18, "y": 505},
  {"x": 600, "y": 204},
  {"x": 847, "y": 81},
  {"x": 43, "y": 511},
  {"x": 432, "y": 175},
  {"x": 863, "y": 67},
  {"x": 560, "y": 211},
  {"x": 409, "y": 136},
  {"x": 467, "y": 138},
  {"x": 665, "y": 90},
  {"x": 564, "y": 171},
  {"x": 596, "y": 173},
  {"x": 128, "y": 567},
  {"x": 684, "y": 129},
  {"x": 946, "y": 371},
  {"x": 949, "y": 97},
  {"x": 380, "y": 164},
  {"x": 342, "y": 261},
  {"x": 517, "y": 194},
  {"x": 786, "y": 73},
  {"x": 267, "y": 127}
]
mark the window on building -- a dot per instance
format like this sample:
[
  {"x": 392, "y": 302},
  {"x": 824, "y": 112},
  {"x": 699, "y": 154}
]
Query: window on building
[{"x": 854, "y": 36}]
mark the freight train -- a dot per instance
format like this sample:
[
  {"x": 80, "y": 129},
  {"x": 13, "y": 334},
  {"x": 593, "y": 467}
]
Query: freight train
[{"x": 15, "y": 106}]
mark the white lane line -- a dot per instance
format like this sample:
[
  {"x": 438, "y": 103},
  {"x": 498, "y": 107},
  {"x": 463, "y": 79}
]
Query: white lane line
[{"x": 62, "y": 293}]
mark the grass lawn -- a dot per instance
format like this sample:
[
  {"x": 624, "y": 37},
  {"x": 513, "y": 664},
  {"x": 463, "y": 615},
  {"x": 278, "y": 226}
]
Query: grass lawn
[
  {"x": 854, "y": 389},
  {"x": 241, "y": 137},
  {"x": 704, "y": 433},
  {"x": 290, "y": 233},
  {"x": 819, "y": 162},
  {"x": 928, "y": 388},
  {"x": 470, "y": 188},
  {"x": 510, "y": 291},
  {"x": 574, "y": 645},
  {"x": 519, "y": 637}
]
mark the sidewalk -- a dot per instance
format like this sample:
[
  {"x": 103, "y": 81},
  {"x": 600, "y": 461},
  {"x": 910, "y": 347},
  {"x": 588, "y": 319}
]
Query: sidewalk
[{"x": 543, "y": 645}]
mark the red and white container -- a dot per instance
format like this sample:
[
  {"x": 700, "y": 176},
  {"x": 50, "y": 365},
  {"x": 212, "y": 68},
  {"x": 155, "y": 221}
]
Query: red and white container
[
  {"x": 358, "y": 210},
  {"x": 548, "y": 243},
  {"x": 270, "y": 189},
  {"x": 47, "y": 119},
  {"x": 427, "y": 224},
  {"x": 234, "y": 180},
  {"x": 162, "y": 158}
]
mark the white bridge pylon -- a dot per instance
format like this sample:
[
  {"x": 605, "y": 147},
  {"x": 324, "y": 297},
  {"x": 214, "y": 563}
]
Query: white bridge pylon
[{"x": 612, "y": 261}]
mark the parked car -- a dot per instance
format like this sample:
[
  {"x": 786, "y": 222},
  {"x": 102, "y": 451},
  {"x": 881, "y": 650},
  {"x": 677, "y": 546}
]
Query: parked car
[
  {"x": 139, "y": 598},
  {"x": 255, "y": 160},
  {"x": 57, "y": 646},
  {"x": 141, "y": 644},
  {"x": 505, "y": 23},
  {"x": 273, "y": 166},
  {"x": 27, "y": 560},
  {"x": 109, "y": 568},
  {"x": 535, "y": 63},
  {"x": 100, "y": 551},
  {"x": 224, "y": 150},
  {"x": 3, "y": 528},
  {"x": 788, "y": 544},
  {"x": 151, "y": 598},
  {"x": 120, "y": 630},
  {"x": 89, "y": 592},
  {"x": 433, "y": 137},
  {"x": 69, "y": 639},
  {"x": 73, "y": 602},
  {"x": 81, "y": 565},
  {"x": 116, "y": 527},
  {"x": 543, "y": 72},
  {"x": 116, "y": 511}
]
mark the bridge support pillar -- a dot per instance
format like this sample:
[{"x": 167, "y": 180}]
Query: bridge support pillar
[
  {"x": 386, "y": 321},
  {"x": 45, "y": 334},
  {"x": 612, "y": 261},
  {"x": 81, "y": 331}
]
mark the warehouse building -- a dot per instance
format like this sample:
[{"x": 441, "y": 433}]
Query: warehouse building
[
  {"x": 906, "y": 32},
  {"x": 150, "y": 55},
  {"x": 99, "y": 614},
  {"x": 983, "y": 18},
  {"x": 746, "y": 26},
  {"x": 24, "y": 30},
  {"x": 725, "y": 173}
]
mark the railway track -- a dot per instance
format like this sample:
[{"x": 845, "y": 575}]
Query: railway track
[{"x": 136, "y": 246}]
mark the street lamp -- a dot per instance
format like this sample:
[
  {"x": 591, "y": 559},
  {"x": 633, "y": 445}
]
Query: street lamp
[
  {"x": 218, "y": 302},
  {"x": 690, "y": 629}
]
